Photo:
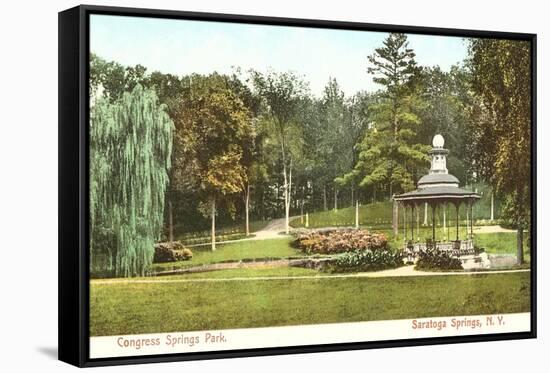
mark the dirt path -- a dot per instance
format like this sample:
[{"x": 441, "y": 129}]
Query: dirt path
[
  {"x": 492, "y": 229},
  {"x": 274, "y": 229},
  {"x": 407, "y": 271}
]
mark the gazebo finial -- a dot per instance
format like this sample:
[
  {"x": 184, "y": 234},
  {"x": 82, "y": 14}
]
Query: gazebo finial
[{"x": 438, "y": 141}]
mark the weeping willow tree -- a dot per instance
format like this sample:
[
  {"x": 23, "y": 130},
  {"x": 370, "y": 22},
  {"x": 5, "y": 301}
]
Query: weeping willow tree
[{"x": 130, "y": 151}]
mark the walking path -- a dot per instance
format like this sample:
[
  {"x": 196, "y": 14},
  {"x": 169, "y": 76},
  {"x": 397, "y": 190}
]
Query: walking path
[
  {"x": 492, "y": 229},
  {"x": 274, "y": 229},
  {"x": 407, "y": 271}
]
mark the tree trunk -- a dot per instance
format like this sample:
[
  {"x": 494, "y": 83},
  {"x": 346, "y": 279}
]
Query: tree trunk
[
  {"x": 520, "y": 244},
  {"x": 302, "y": 212},
  {"x": 335, "y": 199},
  {"x": 352, "y": 201},
  {"x": 288, "y": 187},
  {"x": 170, "y": 222},
  {"x": 325, "y": 197},
  {"x": 520, "y": 220},
  {"x": 492, "y": 207},
  {"x": 246, "y": 209},
  {"x": 357, "y": 214},
  {"x": 277, "y": 204},
  {"x": 213, "y": 216}
]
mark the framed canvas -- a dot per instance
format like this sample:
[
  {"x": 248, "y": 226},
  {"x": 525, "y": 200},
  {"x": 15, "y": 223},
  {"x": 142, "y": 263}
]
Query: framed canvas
[{"x": 234, "y": 186}]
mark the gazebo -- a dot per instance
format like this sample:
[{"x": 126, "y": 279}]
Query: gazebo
[{"x": 438, "y": 189}]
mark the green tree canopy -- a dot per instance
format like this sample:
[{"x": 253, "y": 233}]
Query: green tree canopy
[
  {"x": 283, "y": 96},
  {"x": 501, "y": 122},
  {"x": 130, "y": 151},
  {"x": 390, "y": 155},
  {"x": 213, "y": 127}
]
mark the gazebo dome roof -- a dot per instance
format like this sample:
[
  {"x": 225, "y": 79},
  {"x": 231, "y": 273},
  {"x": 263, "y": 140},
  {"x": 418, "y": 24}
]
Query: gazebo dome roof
[
  {"x": 438, "y": 186},
  {"x": 438, "y": 193},
  {"x": 431, "y": 179}
]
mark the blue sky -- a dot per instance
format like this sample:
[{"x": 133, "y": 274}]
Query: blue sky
[{"x": 182, "y": 47}]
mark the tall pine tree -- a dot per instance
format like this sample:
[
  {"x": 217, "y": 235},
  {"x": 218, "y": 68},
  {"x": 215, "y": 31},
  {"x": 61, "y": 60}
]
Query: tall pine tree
[{"x": 391, "y": 157}]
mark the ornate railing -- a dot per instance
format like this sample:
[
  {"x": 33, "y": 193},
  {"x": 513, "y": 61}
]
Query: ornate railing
[{"x": 455, "y": 248}]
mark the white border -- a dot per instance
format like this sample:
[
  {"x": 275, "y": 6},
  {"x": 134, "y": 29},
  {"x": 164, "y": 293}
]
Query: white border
[{"x": 235, "y": 339}]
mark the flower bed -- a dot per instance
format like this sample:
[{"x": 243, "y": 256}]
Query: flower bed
[{"x": 336, "y": 241}]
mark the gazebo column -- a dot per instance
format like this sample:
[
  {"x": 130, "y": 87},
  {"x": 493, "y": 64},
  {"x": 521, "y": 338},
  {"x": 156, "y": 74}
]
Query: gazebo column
[
  {"x": 417, "y": 222},
  {"x": 404, "y": 222},
  {"x": 457, "y": 205},
  {"x": 425, "y": 214},
  {"x": 433, "y": 222},
  {"x": 467, "y": 219},
  {"x": 412, "y": 222},
  {"x": 444, "y": 221},
  {"x": 471, "y": 220}
]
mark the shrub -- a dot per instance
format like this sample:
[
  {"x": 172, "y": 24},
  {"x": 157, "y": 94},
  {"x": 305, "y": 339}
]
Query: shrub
[
  {"x": 339, "y": 241},
  {"x": 367, "y": 260},
  {"x": 478, "y": 250},
  {"x": 434, "y": 259},
  {"x": 171, "y": 252},
  {"x": 184, "y": 254}
]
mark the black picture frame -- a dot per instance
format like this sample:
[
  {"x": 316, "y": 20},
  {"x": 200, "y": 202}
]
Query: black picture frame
[{"x": 74, "y": 189}]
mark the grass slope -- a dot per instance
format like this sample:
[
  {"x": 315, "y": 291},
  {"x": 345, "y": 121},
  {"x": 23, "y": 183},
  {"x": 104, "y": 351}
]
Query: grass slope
[
  {"x": 379, "y": 214},
  {"x": 134, "y": 308},
  {"x": 502, "y": 243}
]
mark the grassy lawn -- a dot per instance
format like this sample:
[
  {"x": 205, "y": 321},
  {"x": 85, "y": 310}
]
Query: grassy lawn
[
  {"x": 253, "y": 249},
  {"x": 502, "y": 243},
  {"x": 134, "y": 308},
  {"x": 239, "y": 273},
  {"x": 223, "y": 233},
  {"x": 379, "y": 215}
]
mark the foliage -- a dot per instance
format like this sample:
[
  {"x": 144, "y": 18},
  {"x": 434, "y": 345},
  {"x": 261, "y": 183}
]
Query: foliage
[
  {"x": 110, "y": 79},
  {"x": 130, "y": 151},
  {"x": 282, "y": 96},
  {"x": 213, "y": 126},
  {"x": 367, "y": 260},
  {"x": 501, "y": 122},
  {"x": 390, "y": 155},
  {"x": 446, "y": 96},
  {"x": 340, "y": 240},
  {"x": 171, "y": 252},
  {"x": 434, "y": 259},
  {"x": 260, "y": 145}
]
